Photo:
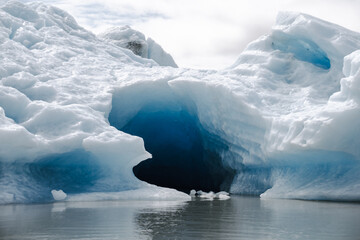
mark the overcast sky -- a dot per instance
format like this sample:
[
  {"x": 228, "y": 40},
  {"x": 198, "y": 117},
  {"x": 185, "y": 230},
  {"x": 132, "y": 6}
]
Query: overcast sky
[{"x": 203, "y": 33}]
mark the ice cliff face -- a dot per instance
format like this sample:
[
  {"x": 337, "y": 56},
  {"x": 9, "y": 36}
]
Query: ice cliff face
[{"x": 78, "y": 112}]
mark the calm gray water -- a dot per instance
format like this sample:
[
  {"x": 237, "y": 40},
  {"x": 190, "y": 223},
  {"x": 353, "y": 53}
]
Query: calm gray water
[{"x": 237, "y": 218}]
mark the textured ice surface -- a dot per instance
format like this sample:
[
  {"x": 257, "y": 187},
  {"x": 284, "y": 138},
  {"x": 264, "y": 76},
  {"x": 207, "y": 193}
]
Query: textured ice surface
[{"x": 283, "y": 117}]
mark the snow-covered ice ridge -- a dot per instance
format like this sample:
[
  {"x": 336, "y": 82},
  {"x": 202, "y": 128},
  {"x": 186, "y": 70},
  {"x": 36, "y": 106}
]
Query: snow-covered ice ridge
[
  {"x": 283, "y": 120},
  {"x": 126, "y": 37}
]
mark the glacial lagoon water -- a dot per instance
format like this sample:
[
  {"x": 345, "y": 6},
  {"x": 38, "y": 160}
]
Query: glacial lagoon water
[{"x": 236, "y": 218}]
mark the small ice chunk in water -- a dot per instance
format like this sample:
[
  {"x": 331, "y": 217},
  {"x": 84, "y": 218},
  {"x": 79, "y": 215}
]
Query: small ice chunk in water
[
  {"x": 222, "y": 195},
  {"x": 58, "y": 195},
  {"x": 210, "y": 195}
]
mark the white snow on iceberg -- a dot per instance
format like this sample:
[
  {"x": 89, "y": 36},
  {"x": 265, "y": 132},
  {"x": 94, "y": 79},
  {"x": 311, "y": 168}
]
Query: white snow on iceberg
[
  {"x": 81, "y": 114},
  {"x": 126, "y": 37}
]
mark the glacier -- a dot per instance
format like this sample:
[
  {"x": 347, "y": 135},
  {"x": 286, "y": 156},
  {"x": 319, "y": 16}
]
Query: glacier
[{"x": 83, "y": 116}]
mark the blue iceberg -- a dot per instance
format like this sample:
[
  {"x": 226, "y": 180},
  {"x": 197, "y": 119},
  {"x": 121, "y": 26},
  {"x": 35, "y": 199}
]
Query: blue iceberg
[{"x": 84, "y": 118}]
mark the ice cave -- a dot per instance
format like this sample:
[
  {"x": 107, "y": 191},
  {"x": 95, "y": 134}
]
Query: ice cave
[{"x": 184, "y": 155}]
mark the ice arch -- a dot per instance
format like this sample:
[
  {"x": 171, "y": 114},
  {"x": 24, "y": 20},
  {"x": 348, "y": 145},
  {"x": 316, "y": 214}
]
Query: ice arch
[{"x": 184, "y": 155}]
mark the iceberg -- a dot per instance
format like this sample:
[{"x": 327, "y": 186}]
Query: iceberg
[{"x": 83, "y": 114}]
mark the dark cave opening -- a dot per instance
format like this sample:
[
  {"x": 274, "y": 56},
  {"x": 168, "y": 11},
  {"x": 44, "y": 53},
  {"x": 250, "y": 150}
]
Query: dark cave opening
[{"x": 183, "y": 158}]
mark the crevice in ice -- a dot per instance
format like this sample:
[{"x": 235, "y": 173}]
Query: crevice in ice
[
  {"x": 184, "y": 155},
  {"x": 135, "y": 47},
  {"x": 13, "y": 32}
]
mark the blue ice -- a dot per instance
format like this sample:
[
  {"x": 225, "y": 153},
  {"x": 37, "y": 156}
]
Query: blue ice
[{"x": 303, "y": 49}]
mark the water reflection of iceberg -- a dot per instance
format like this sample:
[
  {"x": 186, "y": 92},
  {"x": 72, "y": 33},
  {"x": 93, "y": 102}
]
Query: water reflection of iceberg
[{"x": 237, "y": 218}]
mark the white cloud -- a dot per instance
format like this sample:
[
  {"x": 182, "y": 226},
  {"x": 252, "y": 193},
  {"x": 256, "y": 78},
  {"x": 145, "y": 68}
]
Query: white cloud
[{"x": 203, "y": 33}]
